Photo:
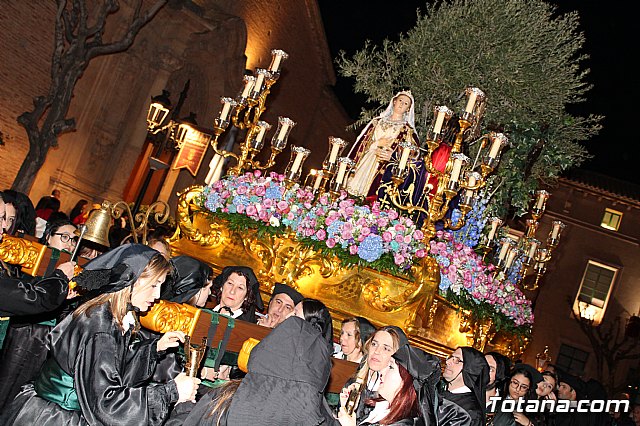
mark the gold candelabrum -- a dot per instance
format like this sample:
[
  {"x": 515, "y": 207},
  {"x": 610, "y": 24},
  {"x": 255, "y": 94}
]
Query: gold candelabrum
[
  {"x": 244, "y": 112},
  {"x": 526, "y": 253},
  {"x": 458, "y": 176}
]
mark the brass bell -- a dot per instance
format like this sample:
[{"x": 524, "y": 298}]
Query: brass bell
[{"x": 98, "y": 224}]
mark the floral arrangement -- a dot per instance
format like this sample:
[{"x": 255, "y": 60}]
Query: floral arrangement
[
  {"x": 357, "y": 235},
  {"x": 373, "y": 237},
  {"x": 473, "y": 285}
]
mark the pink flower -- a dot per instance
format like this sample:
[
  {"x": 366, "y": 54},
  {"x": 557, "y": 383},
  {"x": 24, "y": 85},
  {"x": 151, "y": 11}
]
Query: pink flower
[
  {"x": 398, "y": 259},
  {"x": 420, "y": 253},
  {"x": 240, "y": 208},
  {"x": 382, "y": 222},
  {"x": 321, "y": 234},
  {"x": 393, "y": 215},
  {"x": 290, "y": 216},
  {"x": 263, "y": 215},
  {"x": 399, "y": 238},
  {"x": 407, "y": 239},
  {"x": 375, "y": 208},
  {"x": 260, "y": 190},
  {"x": 283, "y": 206},
  {"x": 353, "y": 249},
  {"x": 387, "y": 237},
  {"x": 418, "y": 235},
  {"x": 399, "y": 228},
  {"x": 331, "y": 243},
  {"x": 225, "y": 194},
  {"x": 365, "y": 232},
  {"x": 257, "y": 173},
  {"x": 346, "y": 234},
  {"x": 242, "y": 190}
]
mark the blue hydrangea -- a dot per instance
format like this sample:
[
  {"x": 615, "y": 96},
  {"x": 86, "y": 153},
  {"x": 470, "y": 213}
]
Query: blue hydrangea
[
  {"x": 370, "y": 248},
  {"x": 241, "y": 200},
  {"x": 273, "y": 192},
  {"x": 334, "y": 228}
]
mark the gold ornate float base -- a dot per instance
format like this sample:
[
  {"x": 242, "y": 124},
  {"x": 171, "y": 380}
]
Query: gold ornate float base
[{"x": 412, "y": 304}]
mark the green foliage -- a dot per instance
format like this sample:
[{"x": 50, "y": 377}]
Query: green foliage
[
  {"x": 521, "y": 53},
  {"x": 484, "y": 310}
]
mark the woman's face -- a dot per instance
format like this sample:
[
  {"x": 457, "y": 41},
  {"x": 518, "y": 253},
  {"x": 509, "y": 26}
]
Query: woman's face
[
  {"x": 203, "y": 295},
  {"x": 11, "y": 216},
  {"x": 519, "y": 386},
  {"x": 492, "y": 368},
  {"x": 401, "y": 104},
  {"x": 234, "y": 291},
  {"x": 348, "y": 342},
  {"x": 380, "y": 351},
  {"x": 546, "y": 386},
  {"x": 391, "y": 382},
  {"x": 63, "y": 239},
  {"x": 146, "y": 291}
]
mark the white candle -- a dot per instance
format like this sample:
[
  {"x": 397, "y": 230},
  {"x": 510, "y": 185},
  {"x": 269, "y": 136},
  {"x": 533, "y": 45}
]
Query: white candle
[
  {"x": 495, "y": 148},
  {"x": 224, "y": 114},
  {"x": 258, "y": 86},
  {"x": 541, "y": 199},
  {"x": 471, "y": 103},
  {"x": 283, "y": 132},
  {"x": 318, "y": 181},
  {"x": 472, "y": 180},
  {"x": 275, "y": 64},
  {"x": 342, "y": 168},
  {"x": 532, "y": 248},
  {"x": 511, "y": 257},
  {"x": 249, "y": 82},
  {"x": 504, "y": 249},
  {"x": 406, "y": 151},
  {"x": 296, "y": 162},
  {"x": 261, "y": 133},
  {"x": 556, "y": 229},
  {"x": 457, "y": 166},
  {"x": 492, "y": 231},
  {"x": 439, "y": 121},
  {"x": 334, "y": 152}
]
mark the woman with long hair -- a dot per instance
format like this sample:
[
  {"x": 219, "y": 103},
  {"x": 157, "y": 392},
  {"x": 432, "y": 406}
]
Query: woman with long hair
[
  {"x": 25, "y": 346},
  {"x": 520, "y": 385},
  {"x": 97, "y": 372}
]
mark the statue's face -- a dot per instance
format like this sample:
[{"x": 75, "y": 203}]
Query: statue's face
[{"x": 401, "y": 104}]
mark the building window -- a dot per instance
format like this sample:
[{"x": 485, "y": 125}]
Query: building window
[
  {"x": 611, "y": 219},
  {"x": 572, "y": 360},
  {"x": 593, "y": 295}
]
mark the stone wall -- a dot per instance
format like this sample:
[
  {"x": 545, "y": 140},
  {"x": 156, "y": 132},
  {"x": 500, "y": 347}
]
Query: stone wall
[{"x": 209, "y": 42}]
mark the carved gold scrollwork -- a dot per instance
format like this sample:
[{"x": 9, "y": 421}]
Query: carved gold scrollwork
[
  {"x": 187, "y": 209},
  {"x": 18, "y": 251},
  {"x": 169, "y": 316},
  {"x": 388, "y": 294}
]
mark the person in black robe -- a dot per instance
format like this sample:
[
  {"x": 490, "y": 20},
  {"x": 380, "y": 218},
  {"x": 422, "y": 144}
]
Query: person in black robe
[
  {"x": 95, "y": 374},
  {"x": 34, "y": 304},
  {"x": 466, "y": 376},
  {"x": 287, "y": 373},
  {"x": 190, "y": 283},
  {"x": 237, "y": 292}
]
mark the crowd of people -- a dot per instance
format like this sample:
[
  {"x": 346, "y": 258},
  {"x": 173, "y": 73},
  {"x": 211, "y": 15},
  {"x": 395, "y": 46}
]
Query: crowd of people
[{"x": 78, "y": 355}]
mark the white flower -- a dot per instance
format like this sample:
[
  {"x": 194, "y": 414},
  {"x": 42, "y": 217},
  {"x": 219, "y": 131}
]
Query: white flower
[{"x": 274, "y": 221}]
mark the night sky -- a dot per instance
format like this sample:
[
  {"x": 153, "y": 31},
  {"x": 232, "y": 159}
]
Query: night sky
[{"x": 608, "y": 27}]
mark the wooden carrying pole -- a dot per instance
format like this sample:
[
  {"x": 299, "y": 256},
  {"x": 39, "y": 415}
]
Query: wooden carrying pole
[{"x": 166, "y": 316}]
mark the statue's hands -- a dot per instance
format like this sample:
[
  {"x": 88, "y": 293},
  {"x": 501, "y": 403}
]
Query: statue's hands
[{"x": 384, "y": 154}]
